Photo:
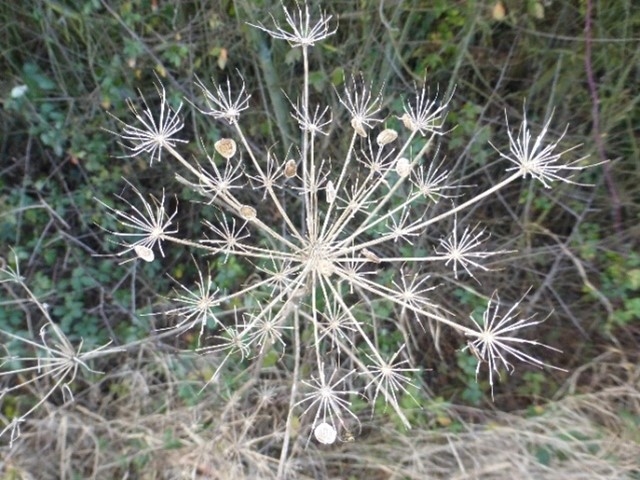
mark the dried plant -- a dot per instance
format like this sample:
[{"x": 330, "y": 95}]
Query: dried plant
[
  {"x": 321, "y": 232},
  {"x": 56, "y": 361},
  {"x": 321, "y": 266}
]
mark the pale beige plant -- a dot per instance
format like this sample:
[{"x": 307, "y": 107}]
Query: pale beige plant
[
  {"x": 327, "y": 238},
  {"x": 319, "y": 269},
  {"x": 55, "y": 362}
]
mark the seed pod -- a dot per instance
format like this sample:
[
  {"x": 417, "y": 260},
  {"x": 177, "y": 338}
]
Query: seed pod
[
  {"x": 359, "y": 127},
  {"x": 226, "y": 147},
  {"x": 407, "y": 122},
  {"x": 290, "y": 169},
  {"x": 403, "y": 167},
  {"x": 369, "y": 255},
  {"x": 386, "y": 136},
  {"x": 247, "y": 212},
  {"x": 145, "y": 253},
  {"x": 498, "y": 12},
  {"x": 330, "y": 191},
  {"x": 325, "y": 433},
  {"x": 536, "y": 9}
]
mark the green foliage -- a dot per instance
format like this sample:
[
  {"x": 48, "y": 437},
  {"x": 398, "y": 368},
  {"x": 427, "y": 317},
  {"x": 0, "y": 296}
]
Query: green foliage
[
  {"x": 534, "y": 384},
  {"x": 473, "y": 392},
  {"x": 439, "y": 26},
  {"x": 228, "y": 272},
  {"x": 41, "y": 112},
  {"x": 466, "y": 120},
  {"x": 471, "y": 299},
  {"x": 621, "y": 280},
  {"x": 618, "y": 279}
]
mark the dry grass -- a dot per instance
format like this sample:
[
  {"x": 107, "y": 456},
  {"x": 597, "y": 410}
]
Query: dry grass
[
  {"x": 590, "y": 436},
  {"x": 148, "y": 430}
]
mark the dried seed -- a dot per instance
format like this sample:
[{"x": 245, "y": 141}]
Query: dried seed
[
  {"x": 386, "y": 136},
  {"x": 370, "y": 255},
  {"x": 359, "y": 127},
  {"x": 290, "y": 169},
  {"x": 145, "y": 253},
  {"x": 347, "y": 436},
  {"x": 325, "y": 433},
  {"x": 226, "y": 147},
  {"x": 403, "y": 167},
  {"x": 247, "y": 212},
  {"x": 536, "y": 9},
  {"x": 407, "y": 122},
  {"x": 498, "y": 12},
  {"x": 330, "y": 192},
  {"x": 326, "y": 268}
]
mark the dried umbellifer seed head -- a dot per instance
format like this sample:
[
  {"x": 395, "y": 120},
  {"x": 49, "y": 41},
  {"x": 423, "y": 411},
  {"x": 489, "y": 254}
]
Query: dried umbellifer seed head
[
  {"x": 290, "y": 169},
  {"x": 247, "y": 212},
  {"x": 386, "y": 136},
  {"x": 226, "y": 147}
]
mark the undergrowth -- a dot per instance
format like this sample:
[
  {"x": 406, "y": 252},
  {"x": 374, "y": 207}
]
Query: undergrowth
[{"x": 341, "y": 286}]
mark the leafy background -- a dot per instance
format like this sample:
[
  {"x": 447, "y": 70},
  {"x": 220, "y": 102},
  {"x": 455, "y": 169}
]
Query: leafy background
[{"x": 578, "y": 246}]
